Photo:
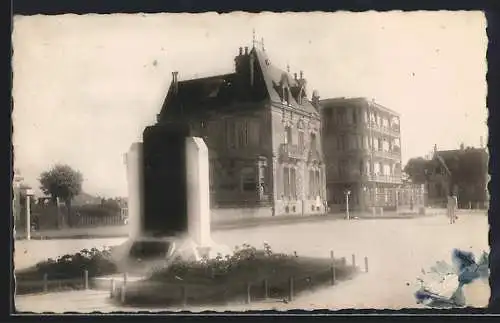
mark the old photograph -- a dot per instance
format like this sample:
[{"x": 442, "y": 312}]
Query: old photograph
[{"x": 240, "y": 161}]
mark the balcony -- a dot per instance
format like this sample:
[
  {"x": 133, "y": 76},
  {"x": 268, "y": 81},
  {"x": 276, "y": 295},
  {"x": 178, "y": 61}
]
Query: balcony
[
  {"x": 393, "y": 131},
  {"x": 289, "y": 151},
  {"x": 394, "y": 154},
  {"x": 357, "y": 178},
  {"x": 393, "y": 179}
]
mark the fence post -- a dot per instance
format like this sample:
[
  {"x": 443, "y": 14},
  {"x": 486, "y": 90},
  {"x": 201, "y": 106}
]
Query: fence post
[
  {"x": 124, "y": 288},
  {"x": 184, "y": 295},
  {"x": 366, "y": 264},
  {"x": 266, "y": 289},
  {"x": 86, "y": 279},
  {"x": 249, "y": 293},
  {"x": 45, "y": 283},
  {"x": 332, "y": 267},
  {"x": 290, "y": 289},
  {"x": 112, "y": 289},
  {"x": 353, "y": 260}
]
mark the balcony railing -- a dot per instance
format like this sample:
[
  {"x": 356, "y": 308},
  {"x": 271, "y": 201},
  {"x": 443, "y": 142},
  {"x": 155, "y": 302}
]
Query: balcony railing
[
  {"x": 291, "y": 151},
  {"x": 387, "y": 154},
  {"x": 394, "y": 179},
  {"x": 356, "y": 177},
  {"x": 387, "y": 130}
]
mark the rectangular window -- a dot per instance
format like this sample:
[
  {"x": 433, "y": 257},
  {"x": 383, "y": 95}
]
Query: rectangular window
[
  {"x": 288, "y": 135},
  {"x": 349, "y": 116},
  {"x": 241, "y": 134},
  {"x": 311, "y": 183},
  {"x": 286, "y": 181},
  {"x": 293, "y": 183},
  {"x": 301, "y": 140},
  {"x": 316, "y": 183}
]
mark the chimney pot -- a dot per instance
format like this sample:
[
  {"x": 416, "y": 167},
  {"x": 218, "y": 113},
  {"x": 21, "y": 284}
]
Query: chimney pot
[
  {"x": 295, "y": 75},
  {"x": 246, "y": 50},
  {"x": 241, "y": 51},
  {"x": 301, "y": 74}
]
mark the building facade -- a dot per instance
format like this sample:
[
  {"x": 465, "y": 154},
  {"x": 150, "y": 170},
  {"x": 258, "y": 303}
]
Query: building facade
[
  {"x": 462, "y": 172},
  {"x": 262, "y": 132},
  {"x": 362, "y": 147}
]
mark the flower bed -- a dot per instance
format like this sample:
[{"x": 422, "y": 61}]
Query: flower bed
[
  {"x": 65, "y": 272},
  {"x": 249, "y": 274}
]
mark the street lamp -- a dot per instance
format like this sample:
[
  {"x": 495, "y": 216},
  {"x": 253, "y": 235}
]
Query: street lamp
[
  {"x": 347, "y": 193},
  {"x": 28, "y": 193}
]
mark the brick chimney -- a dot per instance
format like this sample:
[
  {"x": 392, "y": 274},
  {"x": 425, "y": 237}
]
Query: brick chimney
[{"x": 175, "y": 82}]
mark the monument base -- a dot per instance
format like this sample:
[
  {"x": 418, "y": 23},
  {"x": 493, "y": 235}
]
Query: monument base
[{"x": 140, "y": 255}]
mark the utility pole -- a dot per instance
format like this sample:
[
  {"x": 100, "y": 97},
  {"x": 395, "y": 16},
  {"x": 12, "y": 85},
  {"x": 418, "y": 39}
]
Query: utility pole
[{"x": 347, "y": 193}]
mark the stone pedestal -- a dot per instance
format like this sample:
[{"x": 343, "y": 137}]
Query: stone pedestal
[{"x": 169, "y": 197}]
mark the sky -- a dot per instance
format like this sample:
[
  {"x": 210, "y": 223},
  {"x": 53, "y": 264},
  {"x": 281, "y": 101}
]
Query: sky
[{"x": 84, "y": 87}]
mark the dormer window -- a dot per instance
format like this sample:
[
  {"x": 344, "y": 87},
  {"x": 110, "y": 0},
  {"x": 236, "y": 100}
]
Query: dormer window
[{"x": 287, "y": 96}]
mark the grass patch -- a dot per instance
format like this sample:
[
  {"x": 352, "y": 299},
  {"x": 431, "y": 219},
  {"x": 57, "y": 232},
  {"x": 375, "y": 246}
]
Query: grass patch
[
  {"x": 65, "y": 272},
  {"x": 249, "y": 274}
]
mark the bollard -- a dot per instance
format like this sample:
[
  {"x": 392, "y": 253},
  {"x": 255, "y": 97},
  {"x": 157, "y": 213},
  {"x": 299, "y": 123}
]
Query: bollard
[
  {"x": 86, "y": 279},
  {"x": 184, "y": 295},
  {"x": 124, "y": 288},
  {"x": 353, "y": 260},
  {"x": 290, "y": 289},
  {"x": 112, "y": 289},
  {"x": 249, "y": 296},
  {"x": 45, "y": 283},
  {"x": 366, "y": 264},
  {"x": 266, "y": 289},
  {"x": 332, "y": 268}
]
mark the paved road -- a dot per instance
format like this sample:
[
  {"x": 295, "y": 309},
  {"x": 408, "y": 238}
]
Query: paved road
[
  {"x": 397, "y": 251},
  {"x": 122, "y": 230}
]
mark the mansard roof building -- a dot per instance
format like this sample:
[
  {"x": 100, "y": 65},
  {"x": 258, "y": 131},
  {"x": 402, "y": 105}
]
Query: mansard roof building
[{"x": 262, "y": 131}]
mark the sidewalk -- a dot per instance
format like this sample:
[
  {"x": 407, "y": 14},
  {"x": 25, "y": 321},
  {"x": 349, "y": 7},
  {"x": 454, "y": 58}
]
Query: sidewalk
[{"x": 122, "y": 231}]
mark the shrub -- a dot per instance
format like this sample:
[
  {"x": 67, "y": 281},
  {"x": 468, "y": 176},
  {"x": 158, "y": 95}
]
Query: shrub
[
  {"x": 224, "y": 279},
  {"x": 96, "y": 262}
]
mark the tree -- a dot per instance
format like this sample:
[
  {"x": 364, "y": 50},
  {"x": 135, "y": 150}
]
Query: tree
[
  {"x": 62, "y": 182},
  {"x": 417, "y": 169}
]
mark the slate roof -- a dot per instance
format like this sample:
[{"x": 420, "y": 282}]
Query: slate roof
[
  {"x": 220, "y": 91},
  {"x": 447, "y": 157}
]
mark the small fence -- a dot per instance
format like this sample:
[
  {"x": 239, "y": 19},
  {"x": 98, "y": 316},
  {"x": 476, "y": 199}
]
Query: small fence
[
  {"x": 51, "y": 285},
  {"x": 123, "y": 291},
  {"x": 93, "y": 221},
  {"x": 281, "y": 289}
]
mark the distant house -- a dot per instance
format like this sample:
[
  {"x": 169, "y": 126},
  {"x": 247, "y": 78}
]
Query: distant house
[
  {"x": 462, "y": 172},
  {"x": 362, "y": 147},
  {"x": 85, "y": 199}
]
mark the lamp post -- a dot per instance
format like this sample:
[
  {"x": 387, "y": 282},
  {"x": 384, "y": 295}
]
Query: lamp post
[
  {"x": 347, "y": 193},
  {"x": 28, "y": 193}
]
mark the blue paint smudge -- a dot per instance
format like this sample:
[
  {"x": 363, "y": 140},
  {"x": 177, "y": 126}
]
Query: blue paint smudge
[{"x": 467, "y": 271}]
